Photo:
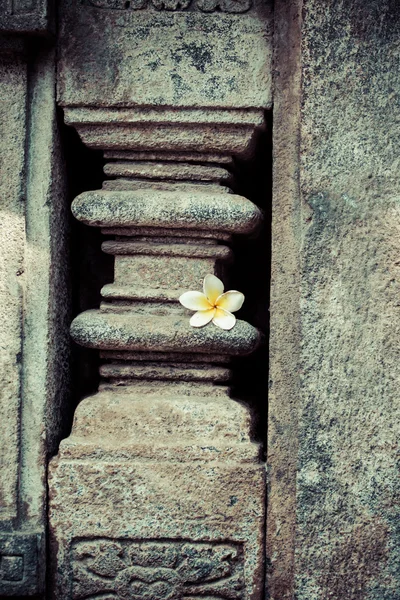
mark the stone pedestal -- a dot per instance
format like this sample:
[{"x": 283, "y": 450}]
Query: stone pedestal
[{"x": 159, "y": 492}]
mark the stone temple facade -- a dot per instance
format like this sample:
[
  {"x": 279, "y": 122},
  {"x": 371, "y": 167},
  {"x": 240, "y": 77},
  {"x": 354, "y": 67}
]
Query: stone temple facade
[{"x": 144, "y": 145}]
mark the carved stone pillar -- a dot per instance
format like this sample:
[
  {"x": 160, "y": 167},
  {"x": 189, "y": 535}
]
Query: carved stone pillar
[{"x": 158, "y": 493}]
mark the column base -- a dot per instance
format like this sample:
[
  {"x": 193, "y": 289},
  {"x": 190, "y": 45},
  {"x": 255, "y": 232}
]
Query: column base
[
  {"x": 157, "y": 530},
  {"x": 159, "y": 525}
]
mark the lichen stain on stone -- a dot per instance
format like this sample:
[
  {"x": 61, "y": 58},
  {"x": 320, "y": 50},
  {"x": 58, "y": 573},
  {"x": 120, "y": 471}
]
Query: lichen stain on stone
[
  {"x": 153, "y": 65},
  {"x": 198, "y": 53},
  {"x": 213, "y": 88},
  {"x": 180, "y": 87}
]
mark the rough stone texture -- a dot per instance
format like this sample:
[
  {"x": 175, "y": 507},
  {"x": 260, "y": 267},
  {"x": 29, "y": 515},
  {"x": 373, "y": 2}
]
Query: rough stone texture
[
  {"x": 158, "y": 492},
  {"x": 155, "y": 208},
  {"x": 194, "y": 157},
  {"x": 157, "y": 170},
  {"x": 348, "y": 482},
  {"x": 199, "y": 131},
  {"x": 158, "y": 427},
  {"x": 285, "y": 340},
  {"x": 34, "y": 17},
  {"x": 167, "y": 569},
  {"x": 346, "y": 510},
  {"x": 46, "y": 343},
  {"x": 19, "y": 559},
  {"x": 13, "y": 90},
  {"x": 111, "y": 506},
  {"x": 172, "y": 59},
  {"x": 33, "y": 322},
  {"x": 163, "y": 333}
]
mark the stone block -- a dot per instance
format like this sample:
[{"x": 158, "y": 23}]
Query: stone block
[
  {"x": 32, "y": 17},
  {"x": 33, "y": 327},
  {"x": 21, "y": 572},
  {"x": 131, "y": 423},
  {"x": 157, "y": 530},
  {"x": 117, "y": 56},
  {"x": 175, "y": 130},
  {"x": 333, "y": 515}
]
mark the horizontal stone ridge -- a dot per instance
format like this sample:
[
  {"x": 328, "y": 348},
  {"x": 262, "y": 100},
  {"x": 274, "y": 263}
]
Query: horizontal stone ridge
[
  {"x": 156, "y": 249},
  {"x": 83, "y": 115},
  {"x": 108, "y": 331},
  {"x": 161, "y": 356},
  {"x": 193, "y": 157},
  {"x": 168, "y": 171},
  {"x": 228, "y": 139},
  {"x": 184, "y": 235},
  {"x": 133, "y": 425},
  {"x": 156, "y": 208},
  {"x": 164, "y": 371},
  {"x": 131, "y": 292}
]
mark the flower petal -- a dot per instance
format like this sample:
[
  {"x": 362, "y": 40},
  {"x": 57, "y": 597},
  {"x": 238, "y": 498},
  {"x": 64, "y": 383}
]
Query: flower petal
[
  {"x": 194, "y": 301},
  {"x": 224, "y": 319},
  {"x": 202, "y": 317},
  {"x": 230, "y": 301},
  {"x": 213, "y": 287}
]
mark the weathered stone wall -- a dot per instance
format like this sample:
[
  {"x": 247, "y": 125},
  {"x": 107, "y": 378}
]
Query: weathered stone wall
[
  {"x": 34, "y": 314},
  {"x": 348, "y": 483},
  {"x": 344, "y": 529},
  {"x": 333, "y": 496},
  {"x": 13, "y": 92}
]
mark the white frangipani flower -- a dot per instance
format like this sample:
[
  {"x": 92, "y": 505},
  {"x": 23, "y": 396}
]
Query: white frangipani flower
[{"x": 213, "y": 305}]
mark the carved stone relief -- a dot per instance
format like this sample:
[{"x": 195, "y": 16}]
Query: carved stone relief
[
  {"x": 228, "y": 6},
  {"x": 24, "y": 6},
  {"x": 20, "y": 571},
  {"x": 25, "y": 16},
  {"x": 156, "y": 569}
]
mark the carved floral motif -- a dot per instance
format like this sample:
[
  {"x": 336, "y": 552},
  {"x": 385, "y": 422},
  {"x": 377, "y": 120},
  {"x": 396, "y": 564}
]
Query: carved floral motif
[
  {"x": 228, "y": 6},
  {"x": 156, "y": 570}
]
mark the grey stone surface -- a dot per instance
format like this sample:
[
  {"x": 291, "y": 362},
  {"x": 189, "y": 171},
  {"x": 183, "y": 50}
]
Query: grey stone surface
[
  {"x": 116, "y": 57},
  {"x": 194, "y": 157},
  {"x": 19, "y": 559},
  {"x": 162, "y": 209},
  {"x": 165, "y": 89},
  {"x": 13, "y": 90},
  {"x": 213, "y": 506},
  {"x": 34, "y": 324},
  {"x": 46, "y": 343},
  {"x": 157, "y": 569},
  {"x": 32, "y": 17},
  {"x": 202, "y": 427},
  {"x": 171, "y": 333},
  {"x": 201, "y": 130},
  {"x": 340, "y": 530},
  {"x": 168, "y": 170},
  {"x": 285, "y": 335},
  {"x": 348, "y": 483}
]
